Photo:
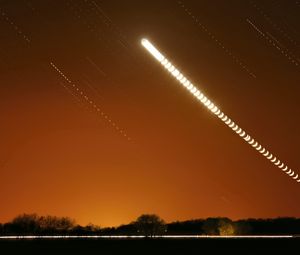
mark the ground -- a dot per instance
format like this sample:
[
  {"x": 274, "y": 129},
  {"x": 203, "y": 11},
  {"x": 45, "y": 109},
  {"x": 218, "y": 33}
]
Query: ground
[{"x": 148, "y": 246}]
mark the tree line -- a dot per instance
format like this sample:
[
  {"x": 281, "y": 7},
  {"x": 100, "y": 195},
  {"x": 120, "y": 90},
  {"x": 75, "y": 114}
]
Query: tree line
[{"x": 151, "y": 225}]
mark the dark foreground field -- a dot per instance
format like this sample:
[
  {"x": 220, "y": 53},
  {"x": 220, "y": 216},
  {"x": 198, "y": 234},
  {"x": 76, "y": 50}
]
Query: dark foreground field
[{"x": 156, "y": 246}]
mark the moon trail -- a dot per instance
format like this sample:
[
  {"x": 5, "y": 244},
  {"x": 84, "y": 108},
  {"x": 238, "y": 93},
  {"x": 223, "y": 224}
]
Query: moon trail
[{"x": 214, "y": 109}]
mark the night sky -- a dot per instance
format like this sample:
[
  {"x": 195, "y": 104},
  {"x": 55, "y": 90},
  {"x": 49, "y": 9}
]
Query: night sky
[{"x": 135, "y": 141}]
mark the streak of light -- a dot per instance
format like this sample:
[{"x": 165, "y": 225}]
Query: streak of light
[
  {"x": 217, "y": 41},
  {"x": 115, "y": 29},
  {"x": 142, "y": 237},
  {"x": 14, "y": 26},
  {"x": 71, "y": 93},
  {"x": 284, "y": 52},
  {"x": 277, "y": 27},
  {"x": 80, "y": 15},
  {"x": 207, "y": 103},
  {"x": 274, "y": 39},
  {"x": 117, "y": 32},
  {"x": 91, "y": 87},
  {"x": 90, "y": 102},
  {"x": 96, "y": 66},
  {"x": 108, "y": 79}
]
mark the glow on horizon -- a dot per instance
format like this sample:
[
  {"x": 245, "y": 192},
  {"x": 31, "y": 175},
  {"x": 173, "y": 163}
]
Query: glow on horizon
[{"x": 215, "y": 110}]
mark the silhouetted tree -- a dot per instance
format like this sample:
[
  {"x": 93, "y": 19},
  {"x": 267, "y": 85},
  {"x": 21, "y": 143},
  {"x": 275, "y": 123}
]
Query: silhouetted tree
[
  {"x": 150, "y": 225},
  {"x": 210, "y": 226},
  {"x": 53, "y": 224},
  {"x": 226, "y": 227},
  {"x": 128, "y": 229},
  {"x": 26, "y": 224},
  {"x": 242, "y": 227},
  {"x": 34, "y": 224},
  {"x": 218, "y": 226},
  {"x": 91, "y": 228},
  {"x": 278, "y": 226},
  {"x": 190, "y": 227}
]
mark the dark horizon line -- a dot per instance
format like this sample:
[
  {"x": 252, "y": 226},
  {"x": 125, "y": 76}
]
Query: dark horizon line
[
  {"x": 151, "y": 225},
  {"x": 171, "y": 222}
]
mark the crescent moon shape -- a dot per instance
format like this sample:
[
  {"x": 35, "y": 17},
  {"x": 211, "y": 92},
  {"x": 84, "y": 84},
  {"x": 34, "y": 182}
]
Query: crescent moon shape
[
  {"x": 204, "y": 99},
  {"x": 217, "y": 111},
  {"x": 171, "y": 68},
  {"x": 252, "y": 141},
  {"x": 214, "y": 110},
  {"x": 295, "y": 177},
  {"x": 207, "y": 103},
  {"x": 239, "y": 131},
  {"x": 274, "y": 159},
  {"x": 259, "y": 147},
  {"x": 211, "y": 106},
  {"x": 288, "y": 172},
  {"x": 243, "y": 133},
  {"x": 221, "y": 115},
  {"x": 278, "y": 162},
  {"x": 232, "y": 124},
  {"x": 271, "y": 156},
  {"x": 224, "y": 118},
  {"x": 298, "y": 180},
  {"x": 281, "y": 166},
  {"x": 200, "y": 97},
  {"x": 292, "y": 174},
  {"x": 262, "y": 150},
  {"x": 266, "y": 154},
  {"x": 168, "y": 65},
  {"x": 197, "y": 93},
  {"x": 228, "y": 121},
  {"x": 183, "y": 80},
  {"x": 247, "y": 138},
  {"x": 255, "y": 145},
  {"x": 236, "y": 128},
  {"x": 286, "y": 168}
]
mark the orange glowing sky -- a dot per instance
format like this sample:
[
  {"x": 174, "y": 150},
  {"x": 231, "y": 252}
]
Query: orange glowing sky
[{"x": 59, "y": 157}]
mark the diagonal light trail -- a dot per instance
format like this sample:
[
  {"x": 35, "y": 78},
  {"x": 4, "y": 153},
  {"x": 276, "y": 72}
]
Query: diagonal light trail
[
  {"x": 90, "y": 102},
  {"x": 217, "y": 41},
  {"x": 215, "y": 110},
  {"x": 284, "y": 52},
  {"x": 14, "y": 26},
  {"x": 272, "y": 23}
]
